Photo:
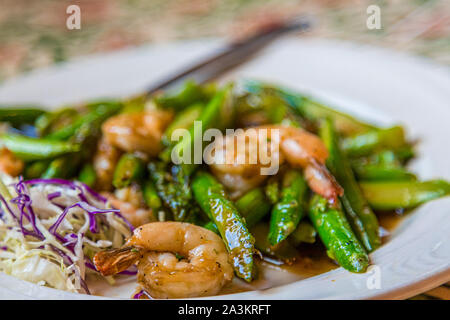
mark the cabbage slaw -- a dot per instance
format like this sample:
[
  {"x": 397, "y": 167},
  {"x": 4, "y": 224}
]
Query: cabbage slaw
[{"x": 50, "y": 229}]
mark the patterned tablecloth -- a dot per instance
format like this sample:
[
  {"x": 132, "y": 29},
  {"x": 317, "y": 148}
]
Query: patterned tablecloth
[{"x": 33, "y": 33}]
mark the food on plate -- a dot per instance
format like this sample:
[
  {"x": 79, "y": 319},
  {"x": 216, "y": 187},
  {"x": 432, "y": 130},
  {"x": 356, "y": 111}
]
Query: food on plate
[
  {"x": 190, "y": 190},
  {"x": 174, "y": 260}
]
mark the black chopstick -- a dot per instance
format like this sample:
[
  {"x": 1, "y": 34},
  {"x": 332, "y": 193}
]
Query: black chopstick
[{"x": 231, "y": 56}]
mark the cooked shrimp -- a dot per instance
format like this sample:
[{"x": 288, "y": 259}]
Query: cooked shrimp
[
  {"x": 105, "y": 161},
  {"x": 138, "y": 131},
  {"x": 131, "y": 204},
  {"x": 175, "y": 260},
  {"x": 9, "y": 164},
  {"x": 241, "y": 170}
]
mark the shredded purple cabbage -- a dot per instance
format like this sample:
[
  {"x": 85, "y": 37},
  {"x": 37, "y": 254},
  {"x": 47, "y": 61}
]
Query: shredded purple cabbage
[
  {"x": 132, "y": 271},
  {"x": 85, "y": 207},
  {"x": 140, "y": 294},
  {"x": 81, "y": 187},
  {"x": 53, "y": 195}
]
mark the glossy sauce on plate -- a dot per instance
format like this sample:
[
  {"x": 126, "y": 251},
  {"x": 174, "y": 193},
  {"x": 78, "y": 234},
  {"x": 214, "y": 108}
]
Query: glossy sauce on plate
[{"x": 312, "y": 262}]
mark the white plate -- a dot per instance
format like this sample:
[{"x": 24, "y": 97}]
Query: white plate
[{"x": 373, "y": 83}]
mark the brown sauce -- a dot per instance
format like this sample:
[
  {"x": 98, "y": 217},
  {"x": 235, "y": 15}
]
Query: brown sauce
[{"x": 313, "y": 261}]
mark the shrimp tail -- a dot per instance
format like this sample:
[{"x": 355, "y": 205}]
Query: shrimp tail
[
  {"x": 113, "y": 261},
  {"x": 322, "y": 182}
]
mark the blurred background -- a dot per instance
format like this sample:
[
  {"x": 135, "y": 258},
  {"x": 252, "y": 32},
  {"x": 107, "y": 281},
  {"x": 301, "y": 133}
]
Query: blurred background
[{"x": 33, "y": 33}]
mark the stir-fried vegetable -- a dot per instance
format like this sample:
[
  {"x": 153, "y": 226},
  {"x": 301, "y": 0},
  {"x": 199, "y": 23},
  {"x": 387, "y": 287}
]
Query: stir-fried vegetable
[
  {"x": 100, "y": 111},
  {"x": 173, "y": 189},
  {"x": 370, "y": 141},
  {"x": 286, "y": 214},
  {"x": 18, "y": 115},
  {"x": 391, "y": 195},
  {"x": 210, "y": 195},
  {"x": 337, "y": 235},
  {"x": 30, "y": 149},
  {"x": 128, "y": 169},
  {"x": 305, "y": 233},
  {"x": 362, "y": 219},
  {"x": 87, "y": 175},
  {"x": 253, "y": 206}
]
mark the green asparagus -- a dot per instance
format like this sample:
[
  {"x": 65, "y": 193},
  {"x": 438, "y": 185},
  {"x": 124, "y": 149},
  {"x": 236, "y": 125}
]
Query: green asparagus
[
  {"x": 183, "y": 120},
  {"x": 210, "y": 196},
  {"x": 29, "y": 149},
  {"x": 151, "y": 195},
  {"x": 218, "y": 113},
  {"x": 35, "y": 169},
  {"x": 128, "y": 169},
  {"x": 253, "y": 206},
  {"x": 100, "y": 112},
  {"x": 287, "y": 213},
  {"x": 186, "y": 96},
  {"x": 87, "y": 175},
  {"x": 17, "y": 115},
  {"x": 362, "y": 219},
  {"x": 337, "y": 235},
  {"x": 173, "y": 188},
  {"x": 366, "y": 143},
  {"x": 52, "y": 121},
  {"x": 381, "y": 173},
  {"x": 403, "y": 194},
  {"x": 304, "y": 233},
  {"x": 312, "y": 110},
  {"x": 272, "y": 190}
]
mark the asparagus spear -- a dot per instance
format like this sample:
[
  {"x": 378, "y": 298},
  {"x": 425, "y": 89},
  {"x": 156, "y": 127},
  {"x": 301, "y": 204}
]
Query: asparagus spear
[
  {"x": 128, "y": 169},
  {"x": 337, "y": 235},
  {"x": 306, "y": 107},
  {"x": 386, "y": 157},
  {"x": 35, "y": 169},
  {"x": 66, "y": 166},
  {"x": 63, "y": 167},
  {"x": 87, "y": 175},
  {"x": 253, "y": 206},
  {"x": 151, "y": 196},
  {"x": 391, "y": 195},
  {"x": 186, "y": 96},
  {"x": 184, "y": 119},
  {"x": 287, "y": 213},
  {"x": 210, "y": 225},
  {"x": 100, "y": 112},
  {"x": 268, "y": 106},
  {"x": 272, "y": 190},
  {"x": 362, "y": 219},
  {"x": 134, "y": 104},
  {"x": 218, "y": 113},
  {"x": 381, "y": 173},
  {"x": 173, "y": 189},
  {"x": 50, "y": 121},
  {"x": 210, "y": 195},
  {"x": 29, "y": 149},
  {"x": 304, "y": 233},
  {"x": 17, "y": 115},
  {"x": 366, "y": 143}
]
